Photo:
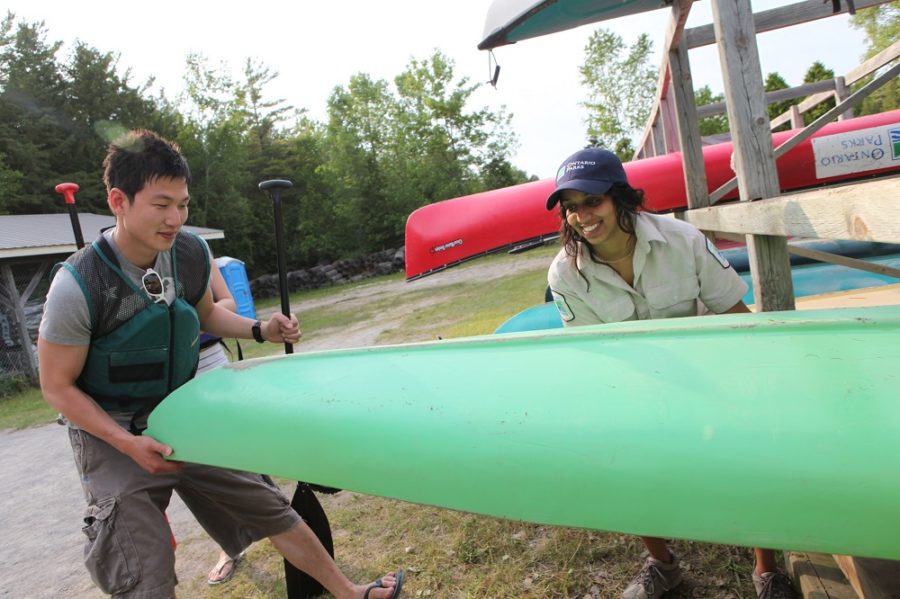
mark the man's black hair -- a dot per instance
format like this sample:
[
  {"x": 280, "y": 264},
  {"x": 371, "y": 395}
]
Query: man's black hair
[{"x": 140, "y": 157}]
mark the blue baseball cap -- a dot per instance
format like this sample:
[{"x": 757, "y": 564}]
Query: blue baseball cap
[{"x": 592, "y": 170}]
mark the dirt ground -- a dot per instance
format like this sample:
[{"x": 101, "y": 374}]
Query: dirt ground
[{"x": 42, "y": 503}]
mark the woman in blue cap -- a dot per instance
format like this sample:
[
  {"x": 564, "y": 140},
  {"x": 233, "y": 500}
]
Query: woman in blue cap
[{"x": 618, "y": 263}]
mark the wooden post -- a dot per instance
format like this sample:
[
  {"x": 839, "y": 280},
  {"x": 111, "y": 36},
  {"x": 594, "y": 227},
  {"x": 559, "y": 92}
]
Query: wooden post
[
  {"x": 18, "y": 309},
  {"x": 681, "y": 86},
  {"x": 688, "y": 129},
  {"x": 669, "y": 118},
  {"x": 840, "y": 94},
  {"x": 656, "y": 135},
  {"x": 796, "y": 117},
  {"x": 755, "y": 164}
]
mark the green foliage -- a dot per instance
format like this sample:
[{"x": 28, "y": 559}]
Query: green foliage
[
  {"x": 711, "y": 125},
  {"x": 620, "y": 83},
  {"x": 10, "y": 183},
  {"x": 882, "y": 26},
  {"x": 818, "y": 72},
  {"x": 13, "y": 385},
  {"x": 390, "y": 151},
  {"x": 384, "y": 150},
  {"x": 32, "y": 122},
  {"x": 775, "y": 81}
]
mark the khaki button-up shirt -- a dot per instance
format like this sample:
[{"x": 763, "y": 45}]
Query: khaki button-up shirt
[{"x": 677, "y": 272}]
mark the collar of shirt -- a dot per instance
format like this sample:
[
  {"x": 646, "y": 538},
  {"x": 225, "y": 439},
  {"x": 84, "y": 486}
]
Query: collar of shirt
[{"x": 645, "y": 231}]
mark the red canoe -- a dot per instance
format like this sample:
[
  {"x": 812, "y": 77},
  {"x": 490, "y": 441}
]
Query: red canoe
[{"x": 449, "y": 232}]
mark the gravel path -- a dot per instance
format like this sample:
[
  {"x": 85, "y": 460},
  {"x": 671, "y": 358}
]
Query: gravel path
[{"x": 42, "y": 503}]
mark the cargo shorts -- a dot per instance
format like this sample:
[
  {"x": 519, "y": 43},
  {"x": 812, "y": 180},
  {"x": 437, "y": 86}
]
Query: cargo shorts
[{"x": 128, "y": 551}]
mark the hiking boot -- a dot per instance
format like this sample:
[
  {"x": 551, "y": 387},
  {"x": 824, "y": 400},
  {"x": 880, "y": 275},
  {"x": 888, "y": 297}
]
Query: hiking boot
[
  {"x": 773, "y": 585},
  {"x": 654, "y": 579}
]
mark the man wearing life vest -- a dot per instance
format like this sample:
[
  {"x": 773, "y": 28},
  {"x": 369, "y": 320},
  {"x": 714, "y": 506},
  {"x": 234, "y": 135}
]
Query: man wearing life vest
[{"x": 119, "y": 333}]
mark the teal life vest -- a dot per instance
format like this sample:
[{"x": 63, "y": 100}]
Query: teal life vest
[{"x": 140, "y": 350}]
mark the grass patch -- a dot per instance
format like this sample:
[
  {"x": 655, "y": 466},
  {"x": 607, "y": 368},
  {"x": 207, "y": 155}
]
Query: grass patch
[
  {"x": 454, "y": 555},
  {"x": 25, "y": 409},
  {"x": 468, "y": 309}
]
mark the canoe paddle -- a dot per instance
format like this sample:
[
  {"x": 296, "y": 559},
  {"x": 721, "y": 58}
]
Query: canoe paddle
[
  {"x": 299, "y": 585},
  {"x": 274, "y": 187},
  {"x": 68, "y": 192}
]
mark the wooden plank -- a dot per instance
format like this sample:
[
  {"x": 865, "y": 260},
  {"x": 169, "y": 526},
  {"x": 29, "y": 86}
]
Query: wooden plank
[
  {"x": 658, "y": 138},
  {"x": 747, "y": 112},
  {"x": 854, "y": 100},
  {"x": 757, "y": 176},
  {"x": 867, "y": 211},
  {"x": 675, "y": 27},
  {"x": 779, "y": 95},
  {"x": 36, "y": 279},
  {"x": 777, "y": 18},
  {"x": 695, "y": 180},
  {"x": 654, "y": 122},
  {"x": 817, "y": 576},
  {"x": 674, "y": 34},
  {"x": 884, "y": 57},
  {"x": 856, "y": 263},
  {"x": 764, "y": 21},
  {"x": 871, "y": 578},
  {"x": 845, "y": 562},
  {"x": 670, "y": 121},
  {"x": 887, "y": 55},
  {"x": 841, "y": 93},
  {"x": 824, "y": 256},
  {"x": 796, "y": 118}
]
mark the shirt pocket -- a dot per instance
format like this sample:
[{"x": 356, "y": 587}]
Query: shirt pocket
[
  {"x": 677, "y": 297},
  {"x": 617, "y": 307}
]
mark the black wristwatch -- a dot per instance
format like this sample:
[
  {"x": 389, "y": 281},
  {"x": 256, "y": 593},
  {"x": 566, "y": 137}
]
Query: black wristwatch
[{"x": 257, "y": 331}]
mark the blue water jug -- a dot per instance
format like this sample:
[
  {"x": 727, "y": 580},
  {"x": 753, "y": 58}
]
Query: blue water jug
[{"x": 235, "y": 275}]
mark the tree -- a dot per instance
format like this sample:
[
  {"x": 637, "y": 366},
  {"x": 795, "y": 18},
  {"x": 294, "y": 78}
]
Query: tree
[
  {"x": 620, "y": 84},
  {"x": 56, "y": 118},
  {"x": 774, "y": 82},
  {"x": 32, "y": 122},
  {"x": 100, "y": 105},
  {"x": 392, "y": 152},
  {"x": 360, "y": 140},
  {"x": 311, "y": 221},
  {"x": 717, "y": 123},
  {"x": 265, "y": 115},
  {"x": 10, "y": 183},
  {"x": 444, "y": 145},
  {"x": 215, "y": 141},
  {"x": 818, "y": 72},
  {"x": 882, "y": 26},
  {"x": 499, "y": 173}
]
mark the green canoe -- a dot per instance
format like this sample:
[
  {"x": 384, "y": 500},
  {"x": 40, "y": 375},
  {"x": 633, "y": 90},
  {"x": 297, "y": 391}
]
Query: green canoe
[{"x": 776, "y": 430}]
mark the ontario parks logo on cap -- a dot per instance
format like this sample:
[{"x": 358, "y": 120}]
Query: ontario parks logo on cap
[{"x": 571, "y": 166}]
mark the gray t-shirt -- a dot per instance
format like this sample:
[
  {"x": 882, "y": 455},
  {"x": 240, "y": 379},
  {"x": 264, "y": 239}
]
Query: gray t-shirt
[{"x": 66, "y": 319}]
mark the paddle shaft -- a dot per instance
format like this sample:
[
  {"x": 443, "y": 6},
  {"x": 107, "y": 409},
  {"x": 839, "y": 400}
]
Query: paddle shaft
[
  {"x": 274, "y": 186},
  {"x": 68, "y": 191}
]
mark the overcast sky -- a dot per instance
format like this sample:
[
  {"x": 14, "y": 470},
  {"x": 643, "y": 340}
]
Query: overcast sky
[{"x": 316, "y": 46}]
